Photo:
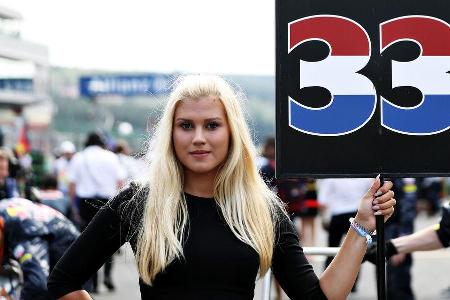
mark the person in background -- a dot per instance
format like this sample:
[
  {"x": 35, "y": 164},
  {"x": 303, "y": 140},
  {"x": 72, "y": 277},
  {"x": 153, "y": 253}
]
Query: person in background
[
  {"x": 39, "y": 168},
  {"x": 267, "y": 161},
  {"x": 95, "y": 175},
  {"x": 398, "y": 272},
  {"x": 431, "y": 189},
  {"x": 8, "y": 186},
  {"x": 48, "y": 194},
  {"x": 61, "y": 165},
  {"x": 339, "y": 197},
  {"x": 431, "y": 238},
  {"x": 36, "y": 236},
  {"x": 301, "y": 200},
  {"x": 307, "y": 209},
  {"x": 131, "y": 165}
]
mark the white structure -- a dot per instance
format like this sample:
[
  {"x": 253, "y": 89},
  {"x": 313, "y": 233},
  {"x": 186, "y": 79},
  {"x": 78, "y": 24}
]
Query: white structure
[
  {"x": 15, "y": 49},
  {"x": 20, "y": 59}
]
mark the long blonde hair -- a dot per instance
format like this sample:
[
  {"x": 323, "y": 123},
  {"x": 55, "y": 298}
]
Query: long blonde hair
[{"x": 249, "y": 207}]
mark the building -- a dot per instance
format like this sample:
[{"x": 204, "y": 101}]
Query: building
[{"x": 24, "y": 75}]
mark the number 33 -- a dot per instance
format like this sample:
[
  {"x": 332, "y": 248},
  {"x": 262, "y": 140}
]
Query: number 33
[{"x": 353, "y": 95}]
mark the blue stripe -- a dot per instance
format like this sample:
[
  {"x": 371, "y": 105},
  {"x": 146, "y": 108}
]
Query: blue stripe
[
  {"x": 431, "y": 117},
  {"x": 345, "y": 114}
]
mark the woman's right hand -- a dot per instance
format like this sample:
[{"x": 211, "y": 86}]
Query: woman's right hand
[{"x": 378, "y": 200}]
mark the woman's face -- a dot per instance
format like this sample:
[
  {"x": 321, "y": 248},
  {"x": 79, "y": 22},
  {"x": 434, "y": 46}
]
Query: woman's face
[{"x": 201, "y": 135}]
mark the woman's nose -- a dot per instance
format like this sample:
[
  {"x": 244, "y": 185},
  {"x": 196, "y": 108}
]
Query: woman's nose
[{"x": 199, "y": 137}]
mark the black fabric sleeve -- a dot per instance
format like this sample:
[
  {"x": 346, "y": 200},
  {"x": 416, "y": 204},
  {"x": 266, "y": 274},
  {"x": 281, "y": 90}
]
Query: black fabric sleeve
[
  {"x": 290, "y": 266},
  {"x": 443, "y": 230},
  {"x": 104, "y": 235}
]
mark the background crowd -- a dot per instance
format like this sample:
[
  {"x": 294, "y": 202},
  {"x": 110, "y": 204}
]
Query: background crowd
[{"x": 76, "y": 182}]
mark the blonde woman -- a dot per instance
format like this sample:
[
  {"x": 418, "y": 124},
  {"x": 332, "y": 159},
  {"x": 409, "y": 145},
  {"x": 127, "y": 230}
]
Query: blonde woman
[{"x": 204, "y": 225}]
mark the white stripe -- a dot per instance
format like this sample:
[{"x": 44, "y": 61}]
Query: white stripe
[
  {"x": 338, "y": 75},
  {"x": 427, "y": 73}
]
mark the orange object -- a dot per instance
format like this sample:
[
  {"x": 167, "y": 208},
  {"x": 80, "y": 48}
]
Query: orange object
[{"x": 23, "y": 144}]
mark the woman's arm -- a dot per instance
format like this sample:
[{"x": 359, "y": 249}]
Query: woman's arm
[
  {"x": 290, "y": 266},
  {"x": 337, "y": 280},
  {"x": 101, "y": 239},
  {"x": 77, "y": 295}
]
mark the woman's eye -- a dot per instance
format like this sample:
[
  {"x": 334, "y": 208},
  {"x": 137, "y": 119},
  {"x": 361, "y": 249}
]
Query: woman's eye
[
  {"x": 212, "y": 125},
  {"x": 186, "y": 125}
]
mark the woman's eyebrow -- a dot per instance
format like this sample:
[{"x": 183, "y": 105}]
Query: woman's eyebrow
[
  {"x": 213, "y": 119},
  {"x": 206, "y": 120},
  {"x": 182, "y": 119}
]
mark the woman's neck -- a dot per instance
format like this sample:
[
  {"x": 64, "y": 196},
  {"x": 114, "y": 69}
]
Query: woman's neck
[{"x": 201, "y": 185}]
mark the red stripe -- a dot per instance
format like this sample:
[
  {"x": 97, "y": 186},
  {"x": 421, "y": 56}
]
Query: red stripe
[
  {"x": 311, "y": 203},
  {"x": 300, "y": 205},
  {"x": 432, "y": 34},
  {"x": 345, "y": 37}
]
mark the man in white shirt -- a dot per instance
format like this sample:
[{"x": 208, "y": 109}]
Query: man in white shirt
[
  {"x": 340, "y": 199},
  {"x": 95, "y": 175},
  {"x": 61, "y": 166}
]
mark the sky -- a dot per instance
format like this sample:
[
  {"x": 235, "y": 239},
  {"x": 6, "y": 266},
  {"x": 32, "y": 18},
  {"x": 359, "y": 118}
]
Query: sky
[{"x": 195, "y": 36}]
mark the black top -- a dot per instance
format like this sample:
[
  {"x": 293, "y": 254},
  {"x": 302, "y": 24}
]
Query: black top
[{"x": 216, "y": 264}]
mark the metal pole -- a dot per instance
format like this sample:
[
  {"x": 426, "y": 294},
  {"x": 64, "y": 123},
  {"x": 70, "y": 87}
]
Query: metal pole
[{"x": 381, "y": 260}]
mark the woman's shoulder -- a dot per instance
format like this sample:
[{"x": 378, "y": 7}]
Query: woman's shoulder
[
  {"x": 283, "y": 224},
  {"x": 130, "y": 198}
]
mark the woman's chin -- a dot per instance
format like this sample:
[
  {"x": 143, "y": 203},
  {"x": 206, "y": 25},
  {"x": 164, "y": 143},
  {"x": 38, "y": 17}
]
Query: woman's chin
[{"x": 202, "y": 170}]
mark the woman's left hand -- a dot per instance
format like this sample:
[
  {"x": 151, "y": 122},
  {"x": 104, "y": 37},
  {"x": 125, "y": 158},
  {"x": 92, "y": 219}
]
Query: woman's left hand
[{"x": 377, "y": 201}]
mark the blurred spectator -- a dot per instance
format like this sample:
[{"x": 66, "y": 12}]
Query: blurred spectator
[
  {"x": 431, "y": 189},
  {"x": 61, "y": 165},
  {"x": 95, "y": 175},
  {"x": 268, "y": 162},
  {"x": 33, "y": 175},
  {"x": 36, "y": 236},
  {"x": 14, "y": 164},
  {"x": 340, "y": 198},
  {"x": 301, "y": 199},
  {"x": 130, "y": 165},
  {"x": 8, "y": 186},
  {"x": 261, "y": 160},
  {"x": 446, "y": 189},
  {"x": 49, "y": 195},
  {"x": 401, "y": 223}
]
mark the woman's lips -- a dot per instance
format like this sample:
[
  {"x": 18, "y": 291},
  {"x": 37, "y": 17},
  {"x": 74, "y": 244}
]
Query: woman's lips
[{"x": 199, "y": 153}]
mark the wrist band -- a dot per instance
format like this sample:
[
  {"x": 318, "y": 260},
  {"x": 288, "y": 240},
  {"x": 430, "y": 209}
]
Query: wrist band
[
  {"x": 391, "y": 250},
  {"x": 360, "y": 231}
]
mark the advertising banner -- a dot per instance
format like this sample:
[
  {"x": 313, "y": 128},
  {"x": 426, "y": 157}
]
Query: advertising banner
[{"x": 124, "y": 85}]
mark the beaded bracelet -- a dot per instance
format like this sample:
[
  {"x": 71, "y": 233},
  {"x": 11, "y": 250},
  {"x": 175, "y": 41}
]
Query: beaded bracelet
[{"x": 361, "y": 231}]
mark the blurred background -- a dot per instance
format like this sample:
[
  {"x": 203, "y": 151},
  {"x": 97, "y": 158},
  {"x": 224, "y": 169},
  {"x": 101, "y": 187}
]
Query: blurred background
[{"x": 69, "y": 68}]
